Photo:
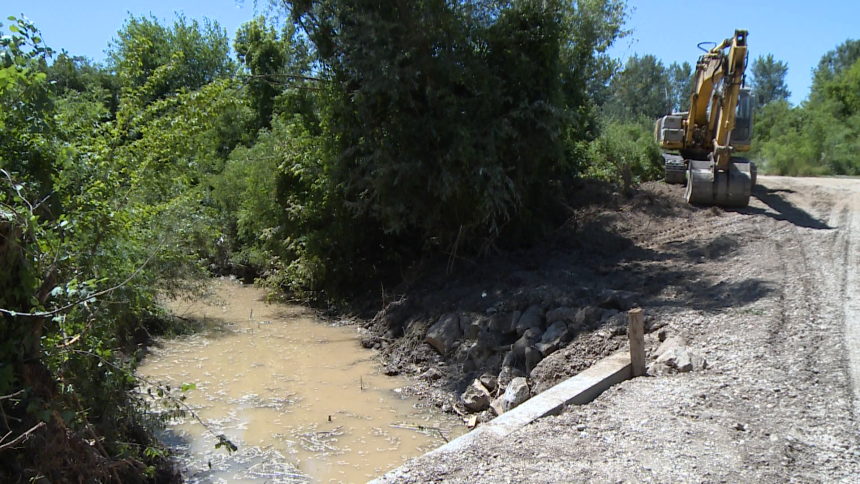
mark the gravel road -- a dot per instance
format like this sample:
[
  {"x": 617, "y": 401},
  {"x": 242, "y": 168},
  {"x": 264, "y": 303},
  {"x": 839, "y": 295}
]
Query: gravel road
[{"x": 776, "y": 312}]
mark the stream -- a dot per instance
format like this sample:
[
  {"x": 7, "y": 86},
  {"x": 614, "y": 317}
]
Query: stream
[{"x": 302, "y": 400}]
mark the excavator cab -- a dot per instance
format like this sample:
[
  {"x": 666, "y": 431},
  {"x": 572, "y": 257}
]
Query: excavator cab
[{"x": 742, "y": 134}]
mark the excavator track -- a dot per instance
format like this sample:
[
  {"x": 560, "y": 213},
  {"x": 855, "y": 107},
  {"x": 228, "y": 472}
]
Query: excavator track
[
  {"x": 675, "y": 168},
  {"x": 729, "y": 188}
]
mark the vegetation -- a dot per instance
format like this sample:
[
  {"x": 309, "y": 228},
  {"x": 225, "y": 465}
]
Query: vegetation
[
  {"x": 317, "y": 159},
  {"x": 820, "y": 136}
]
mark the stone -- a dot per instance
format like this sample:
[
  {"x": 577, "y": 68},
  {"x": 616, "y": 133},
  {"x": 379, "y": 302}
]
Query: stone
[
  {"x": 516, "y": 393},
  {"x": 472, "y": 330},
  {"x": 617, "y": 323},
  {"x": 699, "y": 362},
  {"x": 587, "y": 317},
  {"x": 681, "y": 359},
  {"x": 510, "y": 359},
  {"x": 484, "y": 347},
  {"x": 677, "y": 358},
  {"x": 547, "y": 349},
  {"x": 489, "y": 381},
  {"x": 503, "y": 323},
  {"x": 564, "y": 314},
  {"x": 657, "y": 369},
  {"x": 669, "y": 343},
  {"x": 556, "y": 331},
  {"x": 619, "y": 300},
  {"x": 533, "y": 356},
  {"x": 445, "y": 333},
  {"x": 476, "y": 398},
  {"x": 432, "y": 374},
  {"x": 528, "y": 339},
  {"x": 531, "y": 319},
  {"x": 507, "y": 375},
  {"x": 609, "y": 314},
  {"x": 553, "y": 339}
]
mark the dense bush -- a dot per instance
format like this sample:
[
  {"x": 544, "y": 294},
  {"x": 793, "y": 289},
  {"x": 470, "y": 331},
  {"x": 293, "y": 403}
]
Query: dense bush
[{"x": 625, "y": 153}]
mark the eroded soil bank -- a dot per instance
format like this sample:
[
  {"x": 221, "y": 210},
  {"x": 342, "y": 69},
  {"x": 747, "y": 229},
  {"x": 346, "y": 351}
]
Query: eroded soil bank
[{"x": 301, "y": 398}]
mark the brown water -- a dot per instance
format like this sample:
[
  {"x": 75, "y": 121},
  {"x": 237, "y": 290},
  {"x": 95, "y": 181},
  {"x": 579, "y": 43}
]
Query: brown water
[{"x": 300, "y": 398}]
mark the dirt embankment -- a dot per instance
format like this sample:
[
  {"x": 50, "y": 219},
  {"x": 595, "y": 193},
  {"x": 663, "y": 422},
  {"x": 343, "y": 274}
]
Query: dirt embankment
[{"x": 763, "y": 294}]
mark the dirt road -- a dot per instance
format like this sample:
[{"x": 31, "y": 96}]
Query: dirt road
[{"x": 771, "y": 296}]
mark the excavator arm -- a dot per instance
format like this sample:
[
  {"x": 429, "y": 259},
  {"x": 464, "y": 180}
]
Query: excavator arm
[{"x": 715, "y": 96}]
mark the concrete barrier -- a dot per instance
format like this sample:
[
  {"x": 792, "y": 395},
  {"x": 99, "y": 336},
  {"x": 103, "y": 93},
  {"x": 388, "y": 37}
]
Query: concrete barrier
[{"x": 577, "y": 390}]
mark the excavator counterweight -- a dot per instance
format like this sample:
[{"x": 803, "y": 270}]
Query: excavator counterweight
[{"x": 717, "y": 126}]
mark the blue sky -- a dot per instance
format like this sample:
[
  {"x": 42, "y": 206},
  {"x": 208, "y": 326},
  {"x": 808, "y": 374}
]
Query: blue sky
[{"x": 796, "y": 31}]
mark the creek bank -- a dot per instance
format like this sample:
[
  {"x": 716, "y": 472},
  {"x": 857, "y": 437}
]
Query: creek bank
[
  {"x": 767, "y": 295},
  {"x": 538, "y": 316}
]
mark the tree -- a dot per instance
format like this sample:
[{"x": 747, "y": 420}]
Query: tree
[
  {"x": 834, "y": 62},
  {"x": 274, "y": 62},
  {"x": 642, "y": 88},
  {"x": 680, "y": 85},
  {"x": 438, "y": 126},
  {"x": 198, "y": 54},
  {"x": 768, "y": 80}
]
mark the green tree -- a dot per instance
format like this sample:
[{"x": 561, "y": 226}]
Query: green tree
[
  {"x": 273, "y": 61},
  {"x": 91, "y": 209},
  {"x": 440, "y": 124},
  {"x": 680, "y": 85},
  {"x": 768, "y": 80},
  {"x": 834, "y": 62},
  {"x": 642, "y": 88},
  {"x": 199, "y": 53}
]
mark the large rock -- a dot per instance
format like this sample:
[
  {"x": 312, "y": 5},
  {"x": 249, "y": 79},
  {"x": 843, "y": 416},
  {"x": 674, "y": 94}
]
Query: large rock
[
  {"x": 472, "y": 327},
  {"x": 669, "y": 343},
  {"x": 673, "y": 355},
  {"x": 490, "y": 382},
  {"x": 484, "y": 347},
  {"x": 516, "y": 393},
  {"x": 527, "y": 340},
  {"x": 556, "y": 335},
  {"x": 508, "y": 374},
  {"x": 677, "y": 358},
  {"x": 476, "y": 398},
  {"x": 531, "y": 319},
  {"x": 533, "y": 357},
  {"x": 444, "y": 333},
  {"x": 504, "y": 323},
  {"x": 556, "y": 331},
  {"x": 587, "y": 317},
  {"x": 564, "y": 314}
]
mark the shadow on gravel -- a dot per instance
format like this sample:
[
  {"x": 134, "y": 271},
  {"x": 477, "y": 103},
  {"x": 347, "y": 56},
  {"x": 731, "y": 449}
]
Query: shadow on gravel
[{"x": 785, "y": 210}]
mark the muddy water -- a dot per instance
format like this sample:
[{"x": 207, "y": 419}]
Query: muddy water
[{"x": 301, "y": 399}]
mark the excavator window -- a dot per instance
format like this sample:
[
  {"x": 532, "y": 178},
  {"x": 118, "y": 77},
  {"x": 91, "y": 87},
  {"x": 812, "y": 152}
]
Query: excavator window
[{"x": 743, "y": 119}]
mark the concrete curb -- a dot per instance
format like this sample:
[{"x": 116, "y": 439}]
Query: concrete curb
[{"x": 577, "y": 390}]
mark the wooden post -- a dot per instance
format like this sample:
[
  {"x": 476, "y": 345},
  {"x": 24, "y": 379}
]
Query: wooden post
[{"x": 636, "y": 335}]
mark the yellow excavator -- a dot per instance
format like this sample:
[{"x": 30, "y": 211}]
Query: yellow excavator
[{"x": 718, "y": 125}]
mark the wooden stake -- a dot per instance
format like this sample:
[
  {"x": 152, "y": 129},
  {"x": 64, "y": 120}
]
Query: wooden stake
[{"x": 636, "y": 335}]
